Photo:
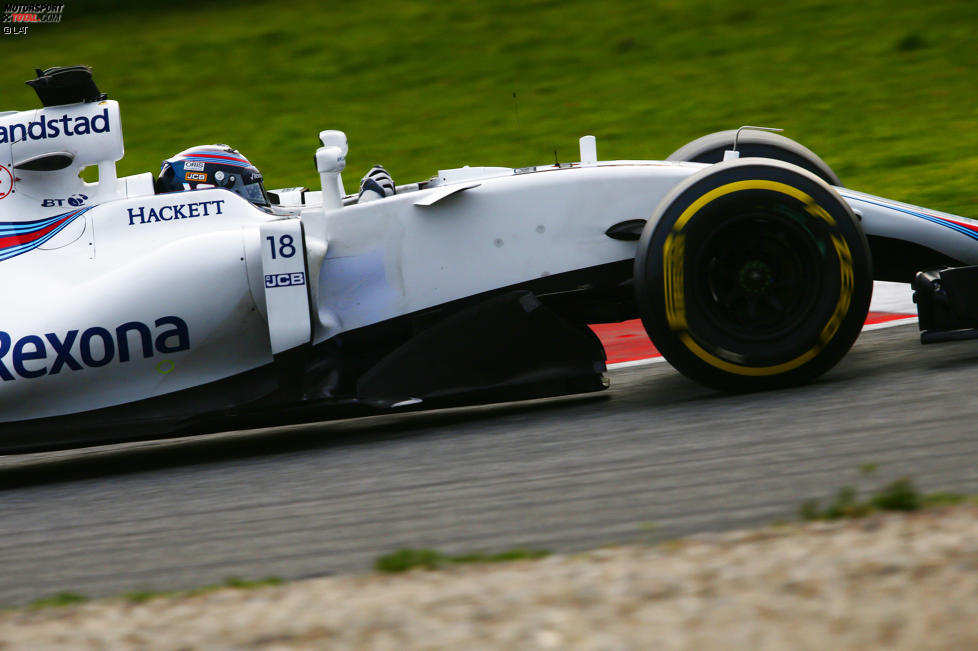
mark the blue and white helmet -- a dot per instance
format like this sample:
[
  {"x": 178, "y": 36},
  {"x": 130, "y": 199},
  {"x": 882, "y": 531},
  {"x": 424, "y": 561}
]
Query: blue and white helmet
[{"x": 213, "y": 166}]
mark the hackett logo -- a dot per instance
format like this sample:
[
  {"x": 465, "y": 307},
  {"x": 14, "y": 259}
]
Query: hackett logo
[
  {"x": 53, "y": 128},
  {"x": 33, "y": 356},
  {"x": 144, "y": 215}
]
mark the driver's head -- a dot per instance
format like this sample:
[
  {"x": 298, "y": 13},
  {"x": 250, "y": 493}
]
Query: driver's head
[{"x": 212, "y": 166}]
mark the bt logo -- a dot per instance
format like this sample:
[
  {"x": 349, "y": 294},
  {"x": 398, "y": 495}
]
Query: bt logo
[{"x": 74, "y": 200}]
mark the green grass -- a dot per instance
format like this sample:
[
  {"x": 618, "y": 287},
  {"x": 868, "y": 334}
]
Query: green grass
[
  {"x": 143, "y": 595},
  {"x": 400, "y": 561},
  {"x": 883, "y": 90},
  {"x": 250, "y": 584},
  {"x": 899, "y": 495},
  {"x": 60, "y": 600},
  {"x": 408, "y": 559}
]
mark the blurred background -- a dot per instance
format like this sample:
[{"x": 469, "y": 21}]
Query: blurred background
[{"x": 886, "y": 91}]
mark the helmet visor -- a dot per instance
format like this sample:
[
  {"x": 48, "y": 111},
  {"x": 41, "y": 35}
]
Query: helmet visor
[{"x": 253, "y": 192}]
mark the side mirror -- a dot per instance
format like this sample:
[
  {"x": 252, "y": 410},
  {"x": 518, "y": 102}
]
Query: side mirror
[{"x": 330, "y": 162}]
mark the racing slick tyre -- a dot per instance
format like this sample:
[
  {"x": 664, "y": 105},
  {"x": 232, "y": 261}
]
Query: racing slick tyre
[
  {"x": 753, "y": 274},
  {"x": 763, "y": 144}
]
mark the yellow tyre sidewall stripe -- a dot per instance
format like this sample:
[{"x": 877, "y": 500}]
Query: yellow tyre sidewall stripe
[{"x": 673, "y": 259}]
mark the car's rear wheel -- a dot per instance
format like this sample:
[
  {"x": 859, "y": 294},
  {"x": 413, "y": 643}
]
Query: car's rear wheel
[
  {"x": 752, "y": 275},
  {"x": 763, "y": 144}
]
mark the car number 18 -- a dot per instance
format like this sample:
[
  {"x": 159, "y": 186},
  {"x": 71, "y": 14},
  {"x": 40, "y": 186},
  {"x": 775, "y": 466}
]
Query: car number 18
[{"x": 285, "y": 246}]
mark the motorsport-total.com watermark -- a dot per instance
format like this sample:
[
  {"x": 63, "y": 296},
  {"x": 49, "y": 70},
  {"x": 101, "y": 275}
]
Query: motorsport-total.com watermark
[{"x": 18, "y": 17}]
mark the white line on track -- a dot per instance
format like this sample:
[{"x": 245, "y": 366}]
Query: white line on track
[
  {"x": 896, "y": 298},
  {"x": 636, "y": 362}
]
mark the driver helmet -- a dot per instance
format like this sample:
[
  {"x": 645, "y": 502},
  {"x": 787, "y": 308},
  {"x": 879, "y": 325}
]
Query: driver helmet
[{"x": 213, "y": 166}]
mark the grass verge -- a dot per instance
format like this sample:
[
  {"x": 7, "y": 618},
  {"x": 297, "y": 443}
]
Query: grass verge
[
  {"x": 408, "y": 559},
  {"x": 899, "y": 495},
  {"x": 60, "y": 600},
  {"x": 140, "y": 596},
  {"x": 883, "y": 90}
]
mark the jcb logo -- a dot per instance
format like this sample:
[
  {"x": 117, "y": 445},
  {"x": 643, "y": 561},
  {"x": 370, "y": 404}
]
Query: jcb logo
[{"x": 285, "y": 280}]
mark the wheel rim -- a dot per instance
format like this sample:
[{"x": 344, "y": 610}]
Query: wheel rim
[{"x": 758, "y": 275}]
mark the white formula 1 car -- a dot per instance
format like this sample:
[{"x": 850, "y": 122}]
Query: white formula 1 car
[{"x": 132, "y": 314}]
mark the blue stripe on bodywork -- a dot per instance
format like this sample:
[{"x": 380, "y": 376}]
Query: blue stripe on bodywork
[
  {"x": 931, "y": 218},
  {"x": 19, "y": 249},
  {"x": 20, "y": 228}
]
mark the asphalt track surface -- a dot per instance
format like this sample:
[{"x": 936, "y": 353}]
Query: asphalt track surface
[{"x": 654, "y": 457}]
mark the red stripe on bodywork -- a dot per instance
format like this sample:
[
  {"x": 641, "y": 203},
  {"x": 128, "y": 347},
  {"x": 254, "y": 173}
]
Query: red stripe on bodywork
[
  {"x": 24, "y": 238},
  {"x": 970, "y": 227}
]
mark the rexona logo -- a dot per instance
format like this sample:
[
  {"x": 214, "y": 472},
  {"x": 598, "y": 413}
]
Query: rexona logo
[
  {"x": 143, "y": 215},
  {"x": 33, "y": 356},
  {"x": 53, "y": 128}
]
